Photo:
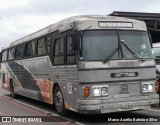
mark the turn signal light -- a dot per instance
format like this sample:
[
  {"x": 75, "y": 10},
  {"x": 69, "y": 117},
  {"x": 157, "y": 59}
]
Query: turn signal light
[
  {"x": 86, "y": 94},
  {"x": 86, "y": 91}
]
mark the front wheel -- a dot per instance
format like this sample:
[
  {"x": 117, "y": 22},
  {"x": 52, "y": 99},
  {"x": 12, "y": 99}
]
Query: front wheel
[{"x": 59, "y": 101}]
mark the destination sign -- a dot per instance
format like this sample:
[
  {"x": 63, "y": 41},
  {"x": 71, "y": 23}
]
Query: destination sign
[
  {"x": 104, "y": 24},
  {"x": 124, "y": 74}
]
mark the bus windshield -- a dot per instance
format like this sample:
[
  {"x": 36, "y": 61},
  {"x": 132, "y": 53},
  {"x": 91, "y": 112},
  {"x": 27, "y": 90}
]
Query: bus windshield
[{"x": 97, "y": 45}]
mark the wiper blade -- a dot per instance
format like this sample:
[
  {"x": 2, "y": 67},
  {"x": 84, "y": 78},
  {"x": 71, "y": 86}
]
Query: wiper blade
[
  {"x": 131, "y": 51},
  {"x": 119, "y": 49},
  {"x": 110, "y": 55}
]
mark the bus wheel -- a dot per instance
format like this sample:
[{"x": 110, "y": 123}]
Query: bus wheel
[
  {"x": 59, "y": 101},
  {"x": 13, "y": 94}
]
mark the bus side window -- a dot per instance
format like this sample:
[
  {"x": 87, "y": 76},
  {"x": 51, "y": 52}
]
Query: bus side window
[
  {"x": 41, "y": 46},
  {"x": 59, "y": 51},
  {"x": 30, "y": 49},
  {"x": 71, "y": 59},
  {"x": 4, "y": 56},
  {"x": 19, "y": 52},
  {"x": 33, "y": 44},
  {"x": 11, "y": 54}
]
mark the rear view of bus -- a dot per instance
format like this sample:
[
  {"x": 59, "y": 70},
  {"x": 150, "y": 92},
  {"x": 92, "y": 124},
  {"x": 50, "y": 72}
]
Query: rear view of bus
[{"x": 116, "y": 68}]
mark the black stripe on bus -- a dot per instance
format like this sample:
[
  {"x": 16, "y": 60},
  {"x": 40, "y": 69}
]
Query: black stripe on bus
[
  {"x": 26, "y": 79},
  {"x": 114, "y": 68}
]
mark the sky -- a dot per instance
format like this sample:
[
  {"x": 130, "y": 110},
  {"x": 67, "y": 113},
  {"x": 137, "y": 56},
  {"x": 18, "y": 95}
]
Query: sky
[{"x": 19, "y": 18}]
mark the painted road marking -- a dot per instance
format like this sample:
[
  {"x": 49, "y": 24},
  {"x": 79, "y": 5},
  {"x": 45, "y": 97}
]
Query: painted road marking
[{"x": 45, "y": 112}]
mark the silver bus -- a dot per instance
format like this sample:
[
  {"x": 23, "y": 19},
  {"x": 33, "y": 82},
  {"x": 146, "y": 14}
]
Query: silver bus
[{"x": 89, "y": 64}]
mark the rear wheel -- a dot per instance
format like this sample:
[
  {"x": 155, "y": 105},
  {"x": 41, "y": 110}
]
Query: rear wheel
[
  {"x": 12, "y": 90},
  {"x": 59, "y": 101}
]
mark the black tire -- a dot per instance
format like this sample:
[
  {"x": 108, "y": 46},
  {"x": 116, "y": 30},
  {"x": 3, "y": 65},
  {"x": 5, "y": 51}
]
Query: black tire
[
  {"x": 59, "y": 101},
  {"x": 12, "y": 90}
]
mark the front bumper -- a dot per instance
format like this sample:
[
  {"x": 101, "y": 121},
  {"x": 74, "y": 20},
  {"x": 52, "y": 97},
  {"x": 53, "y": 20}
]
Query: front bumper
[{"x": 117, "y": 104}]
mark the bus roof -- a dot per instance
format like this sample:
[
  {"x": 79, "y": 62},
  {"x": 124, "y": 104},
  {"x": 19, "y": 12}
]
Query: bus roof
[{"x": 80, "y": 23}]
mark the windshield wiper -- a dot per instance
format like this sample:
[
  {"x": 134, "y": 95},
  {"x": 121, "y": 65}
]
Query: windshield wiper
[
  {"x": 119, "y": 49},
  {"x": 131, "y": 51},
  {"x": 110, "y": 55}
]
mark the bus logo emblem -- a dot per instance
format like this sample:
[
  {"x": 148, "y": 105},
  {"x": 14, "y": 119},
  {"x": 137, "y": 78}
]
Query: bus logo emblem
[
  {"x": 124, "y": 74},
  {"x": 124, "y": 88}
]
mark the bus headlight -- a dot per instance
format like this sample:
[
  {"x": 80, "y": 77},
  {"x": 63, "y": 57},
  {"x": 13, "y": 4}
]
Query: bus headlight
[
  {"x": 147, "y": 87},
  {"x": 150, "y": 88},
  {"x": 104, "y": 90},
  {"x": 100, "y": 90},
  {"x": 96, "y": 91}
]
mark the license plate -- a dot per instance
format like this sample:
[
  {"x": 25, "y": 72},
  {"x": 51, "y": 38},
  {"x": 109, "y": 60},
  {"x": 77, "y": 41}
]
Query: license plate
[{"x": 127, "y": 106}]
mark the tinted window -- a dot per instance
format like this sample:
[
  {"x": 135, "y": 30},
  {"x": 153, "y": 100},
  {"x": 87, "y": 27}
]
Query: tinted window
[
  {"x": 70, "y": 52},
  {"x": 59, "y": 46},
  {"x": 30, "y": 49},
  {"x": 19, "y": 52},
  {"x": 11, "y": 54},
  {"x": 97, "y": 45},
  {"x": 41, "y": 47},
  {"x": 59, "y": 51},
  {"x": 138, "y": 42},
  {"x": 33, "y": 48},
  {"x": 4, "y": 56}
]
